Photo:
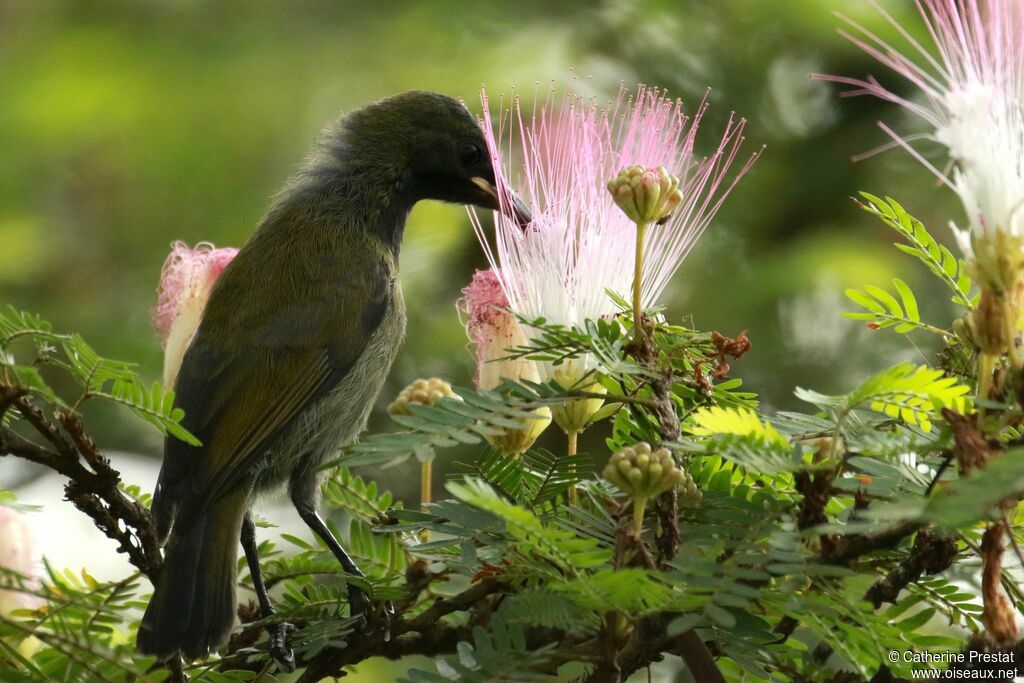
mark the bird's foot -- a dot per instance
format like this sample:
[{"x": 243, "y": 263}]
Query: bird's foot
[
  {"x": 389, "y": 610},
  {"x": 279, "y": 650},
  {"x": 359, "y": 605},
  {"x": 356, "y": 600}
]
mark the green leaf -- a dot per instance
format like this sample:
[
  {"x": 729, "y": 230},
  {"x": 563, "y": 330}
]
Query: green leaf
[
  {"x": 565, "y": 550},
  {"x": 884, "y": 310},
  {"x": 965, "y": 501},
  {"x": 714, "y": 420},
  {"x": 912, "y": 393},
  {"x": 938, "y": 259},
  {"x": 865, "y": 300},
  {"x": 907, "y": 392}
]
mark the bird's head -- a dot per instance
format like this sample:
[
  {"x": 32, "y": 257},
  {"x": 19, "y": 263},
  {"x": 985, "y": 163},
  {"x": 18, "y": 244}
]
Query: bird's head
[{"x": 439, "y": 145}]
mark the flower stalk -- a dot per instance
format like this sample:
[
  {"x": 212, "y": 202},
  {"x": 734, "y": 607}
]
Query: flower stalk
[
  {"x": 571, "y": 439},
  {"x": 645, "y": 195},
  {"x": 638, "y": 273},
  {"x": 639, "y": 504},
  {"x": 423, "y": 392}
]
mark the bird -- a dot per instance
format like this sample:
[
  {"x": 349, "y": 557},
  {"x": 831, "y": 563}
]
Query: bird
[{"x": 294, "y": 345}]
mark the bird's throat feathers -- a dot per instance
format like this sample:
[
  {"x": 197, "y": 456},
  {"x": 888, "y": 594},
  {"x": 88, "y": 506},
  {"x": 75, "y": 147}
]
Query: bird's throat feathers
[{"x": 345, "y": 188}]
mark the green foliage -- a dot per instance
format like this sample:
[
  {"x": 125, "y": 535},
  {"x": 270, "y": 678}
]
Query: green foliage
[
  {"x": 530, "y": 538},
  {"x": 536, "y": 478},
  {"x": 911, "y": 393},
  {"x": 735, "y": 421},
  {"x": 96, "y": 377},
  {"x": 760, "y": 571},
  {"x": 497, "y": 654},
  {"x": 604, "y": 340},
  {"x": 967, "y": 500},
  {"x": 939, "y": 260},
  {"x": 884, "y": 310},
  {"x": 79, "y": 632},
  {"x": 451, "y": 422}
]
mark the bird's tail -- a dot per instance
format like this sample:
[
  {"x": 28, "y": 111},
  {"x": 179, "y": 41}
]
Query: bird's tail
[{"x": 193, "y": 605}]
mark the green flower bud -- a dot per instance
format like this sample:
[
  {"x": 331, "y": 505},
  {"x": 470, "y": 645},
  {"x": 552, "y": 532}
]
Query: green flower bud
[
  {"x": 612, "y": 474},
  {"x": 645, "y": 194},
  {"x": 624, "y": 466},
  {"x": 997, "y": 266},
  {"x": 689, "y": 494},
  {"x": 644, "y": 474},
  {"x": 962, "y": 329},
  {"x": 654, "y": 472},
  {"x": 574, "y": 415}
]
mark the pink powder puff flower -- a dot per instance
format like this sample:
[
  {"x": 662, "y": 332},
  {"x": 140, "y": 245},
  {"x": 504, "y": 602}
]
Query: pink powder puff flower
[
  {"x": 185, "y": 283},
  {"x": 580, "y": 245},
  {"x": 972, "y": 83},
  {"x": 18, "y": 553},
  {"x": 493, "y": 331}
]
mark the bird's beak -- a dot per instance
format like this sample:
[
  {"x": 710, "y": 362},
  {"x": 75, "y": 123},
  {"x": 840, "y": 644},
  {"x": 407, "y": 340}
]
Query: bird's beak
[{"x": 516, "y": 209}]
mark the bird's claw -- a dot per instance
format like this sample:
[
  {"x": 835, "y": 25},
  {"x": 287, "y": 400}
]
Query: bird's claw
[
  {"x": 359, "y": 604},
  {"x": 279, "y": 650},
  {"x": 356, "y": 601}
]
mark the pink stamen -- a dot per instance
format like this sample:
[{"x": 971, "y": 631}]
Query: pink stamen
[
  {"x": 187, "y": 272},
  {"x": 580, "y": 245}
]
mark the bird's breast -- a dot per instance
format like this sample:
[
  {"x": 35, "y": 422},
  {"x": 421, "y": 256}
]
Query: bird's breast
[{"x": 337, "y": 419}]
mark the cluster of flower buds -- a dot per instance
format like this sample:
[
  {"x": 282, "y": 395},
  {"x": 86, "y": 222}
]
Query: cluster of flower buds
[
  {"x": 646, "y": 195},
  {"x": 689, "y": 494},
  {"x": 422, "y": 392},
  {"x": 644, "y": 474}
]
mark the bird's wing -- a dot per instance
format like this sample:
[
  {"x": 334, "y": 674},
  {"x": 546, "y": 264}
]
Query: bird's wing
[
  {"x": 267, "y": 394},
  {"x": 244, "y": 379}
]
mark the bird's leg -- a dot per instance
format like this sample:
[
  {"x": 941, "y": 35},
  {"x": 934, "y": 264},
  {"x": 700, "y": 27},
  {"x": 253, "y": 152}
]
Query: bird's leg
[
  {"x": 279, "y": 649},
  {"x": 304, "y": 499}
]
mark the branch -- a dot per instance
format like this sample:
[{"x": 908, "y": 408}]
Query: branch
[
  {"x": 93, "y": 485},
  {"x": 932, "y": 553},
  {"x": 694, "y": 651},
  {"x": 850, "y": 548},
  {"x": 424, "y": 634},
  {"x": 8, "y": 395}
]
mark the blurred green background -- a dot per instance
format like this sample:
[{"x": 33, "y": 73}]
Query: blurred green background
[{"x": 127, "y": 125}]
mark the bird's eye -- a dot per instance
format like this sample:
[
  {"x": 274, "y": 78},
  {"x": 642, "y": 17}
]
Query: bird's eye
[{"x": 470, "y": 153}]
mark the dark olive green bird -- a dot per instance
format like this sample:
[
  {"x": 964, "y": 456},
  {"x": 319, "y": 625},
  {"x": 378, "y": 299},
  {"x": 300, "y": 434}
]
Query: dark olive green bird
[{"x": 296, "y": 340}]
